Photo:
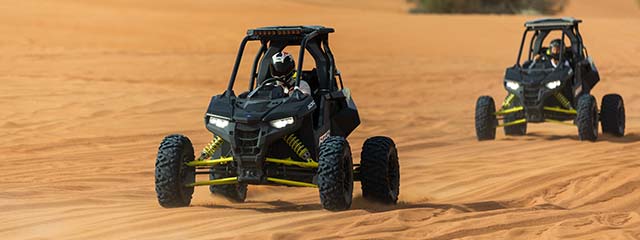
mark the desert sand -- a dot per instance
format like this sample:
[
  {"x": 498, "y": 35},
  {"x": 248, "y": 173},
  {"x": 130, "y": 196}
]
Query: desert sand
[{"x": 89, "y": 88}]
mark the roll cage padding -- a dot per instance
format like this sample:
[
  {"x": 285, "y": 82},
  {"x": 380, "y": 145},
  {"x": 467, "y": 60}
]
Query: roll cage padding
[
  {"x": 321, "y": 63},
  {"x": 332, "y": 66}
]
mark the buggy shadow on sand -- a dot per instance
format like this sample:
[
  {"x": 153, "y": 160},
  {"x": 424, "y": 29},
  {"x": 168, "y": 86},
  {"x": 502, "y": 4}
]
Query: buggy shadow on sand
[
  {"x": 539, "y": 92},
  {"x": 264, "y": 136}
]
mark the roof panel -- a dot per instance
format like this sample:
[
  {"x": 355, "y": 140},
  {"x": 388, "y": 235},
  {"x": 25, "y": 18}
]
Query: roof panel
[{"x": 552, "y": 22}]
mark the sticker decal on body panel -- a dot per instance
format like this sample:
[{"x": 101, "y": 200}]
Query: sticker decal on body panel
[{"x": 324, "y": 136}]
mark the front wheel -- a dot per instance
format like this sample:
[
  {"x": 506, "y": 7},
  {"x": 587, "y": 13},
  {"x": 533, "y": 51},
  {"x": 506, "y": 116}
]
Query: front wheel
[
  {"x": 380, "y": 170},
  {"x": 518, "y": 129},
  {"x": 486, "y": 120},
  {"x": 587, "y": 118},
  {"x": 171, "y": 172},
  {"x": 612, "y": 115},
  {"x": 233, "y": 192},
  {"x": 335, "y": 174}
]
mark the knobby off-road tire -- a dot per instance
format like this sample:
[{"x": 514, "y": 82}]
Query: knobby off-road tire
[
  {"x": 587, "y": 118},
  {"x": 335, "y": 174},
  {"x": 486, "y": 120},
  {"x": 234, "y": 192},
  {"x": 515, "y": 130},
  {"x": 380, "y": 170},
  {"x": 612, "y": 115},
  {"x": 171, "y": 172}
]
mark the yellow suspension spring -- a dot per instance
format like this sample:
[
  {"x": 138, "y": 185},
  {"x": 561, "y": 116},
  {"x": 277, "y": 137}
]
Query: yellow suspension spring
[
  {"x": 297, "y": 146},
  {"x": 211, "y": 148},
  {"x": 508, "y": 100},
  {"x": 563, "y": 100}
]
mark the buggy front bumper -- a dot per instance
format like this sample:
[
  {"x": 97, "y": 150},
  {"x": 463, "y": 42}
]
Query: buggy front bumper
[
  {"x": 534, "y": 102},
  {"x": 250, "y": 142}
]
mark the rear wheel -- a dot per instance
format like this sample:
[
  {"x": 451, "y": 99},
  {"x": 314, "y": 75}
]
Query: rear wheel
[
  {"x": 335, "y": 174},
  {"x": 171, "y": 172},
  {"x": 612, "y": 115},
  {"x": 380, "y": 170},
  {"x": 587, "y": 118},
  {"x": 234, "y": 192},
  {"x": 486, "y": 120}
]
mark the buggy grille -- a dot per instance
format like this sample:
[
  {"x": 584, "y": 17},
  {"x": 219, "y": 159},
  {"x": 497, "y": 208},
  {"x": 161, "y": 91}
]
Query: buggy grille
[
  {"x": 531, "y": 96},
  {"x": 247, "y": 140}
]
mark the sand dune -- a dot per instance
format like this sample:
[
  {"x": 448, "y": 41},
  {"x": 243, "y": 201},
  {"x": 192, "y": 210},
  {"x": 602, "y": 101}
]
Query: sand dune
[
  {"x": 89, "y": 88},
  {"x": 604, "y": 9}
]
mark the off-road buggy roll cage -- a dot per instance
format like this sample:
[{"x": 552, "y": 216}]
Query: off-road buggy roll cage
[
  {"x": 274, "y": 39},
  {"x": 542, "y": 28}
]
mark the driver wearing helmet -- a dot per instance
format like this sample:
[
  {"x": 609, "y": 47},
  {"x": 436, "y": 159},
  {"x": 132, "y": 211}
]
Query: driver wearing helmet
[
  {"x": 283, "y": 67},
  {"x": 553, "y": 54}
]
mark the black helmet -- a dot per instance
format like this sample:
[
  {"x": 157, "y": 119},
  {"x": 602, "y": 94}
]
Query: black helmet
[
  {"x": 282, "y": 64},
  {"x": 555, "y": 43}
]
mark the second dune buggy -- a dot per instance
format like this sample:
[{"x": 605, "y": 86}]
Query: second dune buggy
[
  {"x": 263, "y": 136},
  {"x": 538, "y": 91}
]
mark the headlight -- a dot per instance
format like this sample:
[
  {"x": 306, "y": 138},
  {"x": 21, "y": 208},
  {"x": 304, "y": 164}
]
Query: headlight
[
  {"x": 218, "y": 122},
  {"x": 512, "y": 85},
  {"x": 280, "y": 123},
  {"x": 553, "y": 84}
]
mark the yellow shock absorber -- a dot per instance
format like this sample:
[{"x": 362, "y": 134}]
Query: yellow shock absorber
[
  {"x": 211, "y": 148},
  {"x": 508, "y": 100},
  {"x": 297, "y": 146},
  {"x": 563, "y": 100}
]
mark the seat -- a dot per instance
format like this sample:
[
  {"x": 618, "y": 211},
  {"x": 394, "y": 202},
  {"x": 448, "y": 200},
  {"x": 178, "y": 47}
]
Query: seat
[{"x": 311, "y": 77}]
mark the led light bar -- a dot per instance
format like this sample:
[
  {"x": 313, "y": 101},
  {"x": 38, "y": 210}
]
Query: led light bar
[{"x": 258, "y": 32}]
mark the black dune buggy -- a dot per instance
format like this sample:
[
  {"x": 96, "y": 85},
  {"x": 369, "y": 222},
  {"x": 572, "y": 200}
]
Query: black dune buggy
[
  {"x": 264, "y": 136},
  {"x": 539, "y": 92}
]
